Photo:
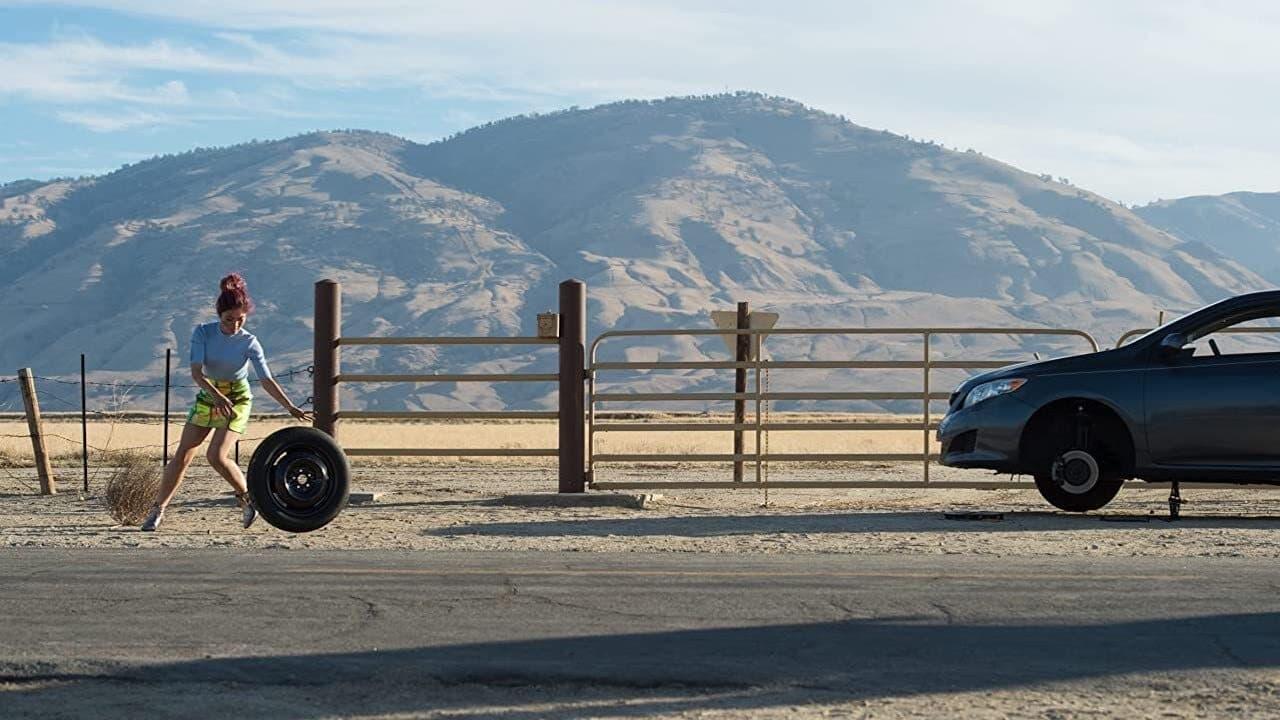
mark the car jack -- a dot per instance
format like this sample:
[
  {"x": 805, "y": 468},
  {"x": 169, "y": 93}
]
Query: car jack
[{"x": 1175, "y": 501}]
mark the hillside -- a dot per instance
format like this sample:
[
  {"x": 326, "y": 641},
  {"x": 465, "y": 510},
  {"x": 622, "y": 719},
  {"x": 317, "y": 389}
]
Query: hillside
[
  {"x": 667, "y": 209},
  {"x": 1242, "y": 225}
]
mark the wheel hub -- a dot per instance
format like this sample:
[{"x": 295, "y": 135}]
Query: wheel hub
[
  {"x": 300, "y": 480},
  {"x": 1076, "y": 472}
]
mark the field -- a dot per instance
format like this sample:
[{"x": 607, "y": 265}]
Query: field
[
  {"x": 63, "y": 438},
  {"x": 474, "y": 503}
]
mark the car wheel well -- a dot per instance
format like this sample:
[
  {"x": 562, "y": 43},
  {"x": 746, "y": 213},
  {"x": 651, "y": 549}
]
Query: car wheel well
[{"x": 1041, "y": 437}]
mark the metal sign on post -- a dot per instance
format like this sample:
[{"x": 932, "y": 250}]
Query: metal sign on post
[{"x": 728, "y": 320}]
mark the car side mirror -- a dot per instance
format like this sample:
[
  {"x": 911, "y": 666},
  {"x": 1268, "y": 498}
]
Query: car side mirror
[{"x": 1171, "y": 345}]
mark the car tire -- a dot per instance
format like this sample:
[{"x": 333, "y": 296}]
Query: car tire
[
  {"x": 1078, "y": 480},
  {"x": 299, "y": 479}
]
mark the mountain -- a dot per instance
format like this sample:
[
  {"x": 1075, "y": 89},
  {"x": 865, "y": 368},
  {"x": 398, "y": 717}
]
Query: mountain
[
  {"x": 667, "y": 209},
  {"x": 1242, "y": 225}
]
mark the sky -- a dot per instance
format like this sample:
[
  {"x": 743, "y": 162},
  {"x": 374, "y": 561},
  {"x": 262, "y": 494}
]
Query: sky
[{"x": 1135, "y": 100}]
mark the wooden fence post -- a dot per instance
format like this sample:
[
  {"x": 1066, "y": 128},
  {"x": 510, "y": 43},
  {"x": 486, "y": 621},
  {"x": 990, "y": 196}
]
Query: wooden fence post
[
  {"x": 326, "y": 357},
  {"x": 32, "y": 403},
  {"x": 573, "y": 350},
  {"x": 742, "y": 355}
]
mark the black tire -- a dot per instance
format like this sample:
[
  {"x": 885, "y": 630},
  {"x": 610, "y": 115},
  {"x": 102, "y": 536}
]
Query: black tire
[
  {"x": 1078, "y": 480},
  {"x": 299, "y": 479}
]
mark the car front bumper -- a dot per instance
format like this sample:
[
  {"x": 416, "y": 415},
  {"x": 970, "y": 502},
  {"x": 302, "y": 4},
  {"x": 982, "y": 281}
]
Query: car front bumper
[{"x": 986, "y": 435}]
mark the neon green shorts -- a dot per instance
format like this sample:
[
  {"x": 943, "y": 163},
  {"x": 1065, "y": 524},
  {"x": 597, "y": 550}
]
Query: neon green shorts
[{"x": 238, "y": 392}]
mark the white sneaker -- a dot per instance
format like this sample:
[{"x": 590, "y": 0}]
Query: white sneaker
[
  {"x": 248, "y": 513},
  {"x": 153, "y": 519}
]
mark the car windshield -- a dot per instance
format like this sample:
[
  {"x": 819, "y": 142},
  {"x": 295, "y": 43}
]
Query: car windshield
[{"x": 1212, "y": 320}]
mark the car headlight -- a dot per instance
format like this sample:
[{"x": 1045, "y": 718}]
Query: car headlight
[{"x": 986, "y": 391}]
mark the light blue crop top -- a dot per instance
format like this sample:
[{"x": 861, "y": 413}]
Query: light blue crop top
[{"x": 227, "y": 357}]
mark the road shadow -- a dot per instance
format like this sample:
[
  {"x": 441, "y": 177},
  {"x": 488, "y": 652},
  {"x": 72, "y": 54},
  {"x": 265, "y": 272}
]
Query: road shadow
[
  {"x": 206, "y": 502},
  {"x": 840, "y": 523},
  {"x": 724, "y": 668},
  {"x": 380, "y": 504}
]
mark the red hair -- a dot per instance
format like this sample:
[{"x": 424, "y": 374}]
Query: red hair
[{"x": 235, "y": 294}]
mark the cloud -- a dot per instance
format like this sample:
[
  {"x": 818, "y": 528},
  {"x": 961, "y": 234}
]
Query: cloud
[
  {"x": 84, "y": 69},
  {"x": 102, "y": 122},
  {"x": 1105, "y": 88}
]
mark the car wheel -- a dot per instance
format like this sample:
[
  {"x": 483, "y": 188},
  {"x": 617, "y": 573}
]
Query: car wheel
[
  {"x": 299, "y": 479},
  {"x": 1078, "y": 480}
]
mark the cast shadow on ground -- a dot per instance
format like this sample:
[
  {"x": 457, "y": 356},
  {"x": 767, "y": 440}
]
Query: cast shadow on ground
[
  {"x": 838, "y": 523},
  {"x": 727, "y": 668}
]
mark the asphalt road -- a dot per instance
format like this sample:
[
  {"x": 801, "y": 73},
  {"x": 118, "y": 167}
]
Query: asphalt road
[{"x": 869, "y": 626}]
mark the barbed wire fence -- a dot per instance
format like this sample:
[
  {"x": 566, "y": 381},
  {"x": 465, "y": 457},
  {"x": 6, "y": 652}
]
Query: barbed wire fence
[{"x": 113, "y": 409}]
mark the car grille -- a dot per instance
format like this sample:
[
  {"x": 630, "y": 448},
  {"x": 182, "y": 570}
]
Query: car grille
[{"x": 965, "y": 442}]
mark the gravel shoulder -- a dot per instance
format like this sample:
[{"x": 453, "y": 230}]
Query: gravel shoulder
[{"x": 467, "y": 508}]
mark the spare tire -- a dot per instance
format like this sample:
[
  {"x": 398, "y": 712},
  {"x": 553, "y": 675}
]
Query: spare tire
[{"x": 299, "y": 479}]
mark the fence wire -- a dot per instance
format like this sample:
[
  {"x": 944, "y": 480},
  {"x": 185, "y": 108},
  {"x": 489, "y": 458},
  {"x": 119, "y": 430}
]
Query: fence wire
[
  {"x": 20, "y": 480},
  {"x": 308, "y": 370},
  {"x": 121, "y": 391}
]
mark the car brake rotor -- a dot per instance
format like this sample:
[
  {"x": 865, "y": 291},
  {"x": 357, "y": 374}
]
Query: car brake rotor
[{"x": 1076, "y": 472}]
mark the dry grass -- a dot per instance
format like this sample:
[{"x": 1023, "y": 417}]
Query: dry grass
[
  {"x": 132, "y": 486},
  {"x": 63, "y": 438},
  {"x": 12, "y": 459}
]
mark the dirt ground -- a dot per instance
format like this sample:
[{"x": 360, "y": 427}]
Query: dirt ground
[{"x": 424, "y": 507}]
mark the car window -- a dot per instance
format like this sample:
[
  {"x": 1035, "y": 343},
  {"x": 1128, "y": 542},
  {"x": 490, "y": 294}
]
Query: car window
[{"x": 1246, "y": 336}]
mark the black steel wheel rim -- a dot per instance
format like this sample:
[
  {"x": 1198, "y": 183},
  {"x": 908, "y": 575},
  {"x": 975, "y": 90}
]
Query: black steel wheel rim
[{"x": 301, "y": 481}]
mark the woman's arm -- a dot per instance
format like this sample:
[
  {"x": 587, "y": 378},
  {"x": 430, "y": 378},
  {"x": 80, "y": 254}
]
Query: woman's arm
[{"x": 274, "y": 390}]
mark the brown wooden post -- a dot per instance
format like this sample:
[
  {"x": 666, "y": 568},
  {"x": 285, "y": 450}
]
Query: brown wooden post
[
  {"x": 573, "y": 352},
  {"x": 742, "y": 355},
  {"x": 326, "y": 355},
  {"x": 928, "y": 365},
  {"x": 32, "y": 403}
]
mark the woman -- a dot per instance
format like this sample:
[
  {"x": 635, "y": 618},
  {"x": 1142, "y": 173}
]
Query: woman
[{"x": 221, "y": 353}]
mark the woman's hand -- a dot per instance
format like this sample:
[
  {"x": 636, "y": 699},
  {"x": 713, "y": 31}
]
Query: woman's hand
[
  {"x": 223, "y": 406},
  {"x": 300, "y": 414}
]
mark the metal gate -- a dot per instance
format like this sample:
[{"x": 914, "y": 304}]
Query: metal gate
[
  {"x": 569, "y": 335},
  {"x": 760, "y": 396}
]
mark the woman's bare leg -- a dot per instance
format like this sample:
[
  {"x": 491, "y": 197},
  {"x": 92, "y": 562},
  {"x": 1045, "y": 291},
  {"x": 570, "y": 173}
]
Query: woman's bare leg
[
  {"x": 192, "y": 436},
  {"x": 219, "y": 458}
]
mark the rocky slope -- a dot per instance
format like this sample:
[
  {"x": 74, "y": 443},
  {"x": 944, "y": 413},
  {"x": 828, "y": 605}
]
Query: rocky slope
[
  {"x": 1243, "y": 225},
  {"x": 667, "y": 209}
]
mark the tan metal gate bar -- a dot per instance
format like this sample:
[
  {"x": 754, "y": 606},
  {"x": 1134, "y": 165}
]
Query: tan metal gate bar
[
  {"x": 327, "y": 378},
  {"x": 428, "y": 378},
  {"x": 926, "y": 364}
]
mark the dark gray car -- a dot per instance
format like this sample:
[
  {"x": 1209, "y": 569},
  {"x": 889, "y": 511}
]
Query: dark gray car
[{"x": 1162, "y": 408}]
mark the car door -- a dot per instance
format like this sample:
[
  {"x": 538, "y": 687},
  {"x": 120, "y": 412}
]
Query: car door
[{"x": 1215, "y": 410}]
